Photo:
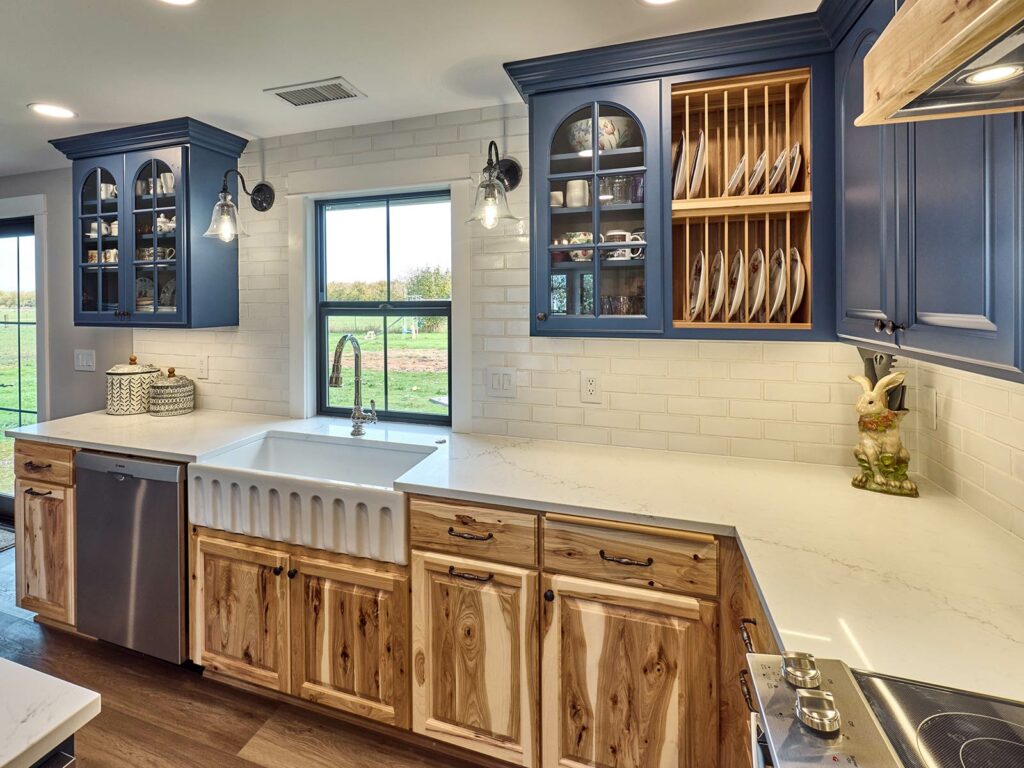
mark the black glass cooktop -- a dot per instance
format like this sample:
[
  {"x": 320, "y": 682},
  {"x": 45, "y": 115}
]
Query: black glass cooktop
[{"x": 933, "y": 727}]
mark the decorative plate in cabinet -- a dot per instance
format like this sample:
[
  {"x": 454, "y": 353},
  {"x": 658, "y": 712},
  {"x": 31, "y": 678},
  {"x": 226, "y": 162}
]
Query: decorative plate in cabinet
[{"x": 172, "y": 395}]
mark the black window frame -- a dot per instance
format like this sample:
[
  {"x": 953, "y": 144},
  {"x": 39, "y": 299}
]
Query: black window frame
[{"x": 327, "y": 309}]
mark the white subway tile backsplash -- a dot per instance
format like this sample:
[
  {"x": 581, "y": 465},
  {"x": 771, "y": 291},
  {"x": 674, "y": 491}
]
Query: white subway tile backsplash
[{"x": 778, "y": 400}]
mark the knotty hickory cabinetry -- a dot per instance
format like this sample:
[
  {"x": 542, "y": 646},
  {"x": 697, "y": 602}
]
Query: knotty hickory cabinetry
[{"x": 515, "y": 636}]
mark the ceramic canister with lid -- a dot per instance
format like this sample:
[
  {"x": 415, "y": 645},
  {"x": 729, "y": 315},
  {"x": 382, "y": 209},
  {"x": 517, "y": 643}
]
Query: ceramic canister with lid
[
  {"x": 172, "y": 395},
  {"x": 128, "y": 387}
]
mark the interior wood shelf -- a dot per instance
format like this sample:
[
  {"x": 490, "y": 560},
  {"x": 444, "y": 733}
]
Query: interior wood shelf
[
  {"x": 780, "y": 202},
  {"x": 743, "y": 326}
]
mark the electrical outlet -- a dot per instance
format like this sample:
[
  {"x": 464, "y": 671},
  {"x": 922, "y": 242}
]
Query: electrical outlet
[
  {"x": 204, "y": 367},
  {"x": 85, "y": 359},
  {"x": 501, "y": 382},
  {"x": 590, "y": 387}
]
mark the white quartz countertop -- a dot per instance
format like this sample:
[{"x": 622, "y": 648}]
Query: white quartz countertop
[
  {"x": 926, "y": 588},
  {"x": 38, "y": 713}
]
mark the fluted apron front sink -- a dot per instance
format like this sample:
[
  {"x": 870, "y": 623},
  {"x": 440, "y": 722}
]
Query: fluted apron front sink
[{"x": 315, "y": 491}]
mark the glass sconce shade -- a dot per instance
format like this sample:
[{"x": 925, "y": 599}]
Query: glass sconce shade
[{"x": 224, "y": 223}]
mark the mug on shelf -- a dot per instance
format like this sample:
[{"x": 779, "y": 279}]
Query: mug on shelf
[
  {"x": 167, "y": 183},
  {"x": 165, "y": 254},
  {"x": 144, "y": 187},
  {"x": 114, "y": 226},
  {"x": 557, "y": 199},
  {"x": 91, "y": 256},
  {"x": 100, "y": 227},
  {"x": 622, "y": 236},
  {"x": 110, "y": 255},
  {"x": 144, "y": 254},
  {"x": 577, "y": 193},
  {"x": 108, "y": 191}
]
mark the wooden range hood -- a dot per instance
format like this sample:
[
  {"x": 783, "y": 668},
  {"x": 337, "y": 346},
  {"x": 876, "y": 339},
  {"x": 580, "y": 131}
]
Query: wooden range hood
[{"x": 918, "y": 68}]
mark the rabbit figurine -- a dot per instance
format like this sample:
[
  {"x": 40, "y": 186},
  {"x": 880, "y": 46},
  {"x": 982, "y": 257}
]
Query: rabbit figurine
[{"x": 883, "y": 459}]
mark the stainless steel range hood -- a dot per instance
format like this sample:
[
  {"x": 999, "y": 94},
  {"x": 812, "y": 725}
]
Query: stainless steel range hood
[{"x": 946, "y": 58}]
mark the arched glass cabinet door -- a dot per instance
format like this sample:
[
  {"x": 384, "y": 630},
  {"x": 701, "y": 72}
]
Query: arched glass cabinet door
[
  {"x": 595, "y": 265},
  {"x": 155, "y": 276},
  {"x": 98, "y": 284}
]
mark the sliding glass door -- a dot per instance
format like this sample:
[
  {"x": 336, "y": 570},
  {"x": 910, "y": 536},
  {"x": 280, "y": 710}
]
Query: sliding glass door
[{"x": 17, "y": 340}]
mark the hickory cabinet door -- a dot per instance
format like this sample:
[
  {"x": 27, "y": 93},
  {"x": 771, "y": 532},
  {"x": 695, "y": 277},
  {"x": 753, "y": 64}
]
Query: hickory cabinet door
[
  {"x": 628, "y": 677},
  {"x": 240, "y": 626},
  {"x": 45, "y": 535},
  {"x": 349, "y": 639},
  {"x": 474, "y": 655}
]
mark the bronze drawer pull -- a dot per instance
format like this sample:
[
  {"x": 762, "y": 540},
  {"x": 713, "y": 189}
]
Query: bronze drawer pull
[
  {"x": 626, "y": 561},
  {"x": 470, "y": 536},
  {"x": 34, "y": 492},
  {"x": 31, "y": 466},
  {"x": 468, "y": 576},
  {"x": 746, "y": 690},
  {"x": 745, "y": 634}
]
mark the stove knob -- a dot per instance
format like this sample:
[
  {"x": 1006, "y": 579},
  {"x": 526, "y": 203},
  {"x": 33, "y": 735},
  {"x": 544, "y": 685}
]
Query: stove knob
[
  {"x": 817, "y": 710},
  {"x": 800, "y": 670}
]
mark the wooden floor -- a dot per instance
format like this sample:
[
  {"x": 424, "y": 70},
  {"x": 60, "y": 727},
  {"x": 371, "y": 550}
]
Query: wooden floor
[{"x": 156, "y": 714}]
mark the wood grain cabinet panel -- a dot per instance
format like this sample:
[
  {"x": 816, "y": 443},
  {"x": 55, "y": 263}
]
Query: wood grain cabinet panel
[
  {"x": 475, "y": 655},
  {"x": 44, "y": 463},
  {"x": 44, "y": 524},
  {"x": 240, "y": 611},
  {"x": 349, "y": 635},
  {"x": 629, "y": 677},
  {"x": 678, "y": 561},
  {"x": 462, "y": 528}
]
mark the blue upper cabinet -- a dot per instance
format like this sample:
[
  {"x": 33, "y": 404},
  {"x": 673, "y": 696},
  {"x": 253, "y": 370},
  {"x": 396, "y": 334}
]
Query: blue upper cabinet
[
  {"x": 596, "y": 196},
  {"x": 142, "y": 199},
  {"x": 928, "y": 227},
  {"x": 866, "y": 184}
]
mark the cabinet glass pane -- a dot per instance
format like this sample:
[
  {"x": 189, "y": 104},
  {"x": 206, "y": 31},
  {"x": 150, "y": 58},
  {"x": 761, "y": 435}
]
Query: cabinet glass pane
[
  {"x": 619, "y": 139},
  {"x": 572, "y": 144},
  {"x": 622, "y": 287},
  {"x": 572, "y": 288},
  {"x": 108, "y": 193},
  {"x": 90, "y": 289},
  {"x": 90, "y": 193},
  {"x": 109, "y": 288},
  {"x": 166, "y": 288}
]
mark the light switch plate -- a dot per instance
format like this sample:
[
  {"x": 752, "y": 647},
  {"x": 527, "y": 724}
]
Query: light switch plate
[
  {"x": 501, "y": 382},
  {"x": 85, "y": 359}
]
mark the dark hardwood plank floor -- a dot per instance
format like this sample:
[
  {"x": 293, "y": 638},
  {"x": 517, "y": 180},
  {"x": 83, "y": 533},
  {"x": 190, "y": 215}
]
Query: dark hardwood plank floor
[{"x": 157, "y": 715}]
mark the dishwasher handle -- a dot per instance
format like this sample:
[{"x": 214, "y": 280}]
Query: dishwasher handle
[{"x": 122, "y": 467}]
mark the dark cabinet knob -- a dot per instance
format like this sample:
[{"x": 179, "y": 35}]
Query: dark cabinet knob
[
  {"x": 292, "y": 573},
  {"x": 278, "y": 569},
  {"x": 549, "y": 596},
  {"x": 542, "y": 316},
  {"x": 879, "y": 326}
]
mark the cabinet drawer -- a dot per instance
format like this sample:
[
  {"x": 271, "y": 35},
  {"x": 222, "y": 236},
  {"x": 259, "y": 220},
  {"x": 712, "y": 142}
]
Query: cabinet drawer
[
  {"x": 461, "y": 528},
  {"x": 43, "y": 463},
  {"x": 677, "y": 561}
]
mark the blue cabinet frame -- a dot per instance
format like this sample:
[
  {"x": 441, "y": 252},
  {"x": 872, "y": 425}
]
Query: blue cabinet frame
[{"x": 199, "y": 282}]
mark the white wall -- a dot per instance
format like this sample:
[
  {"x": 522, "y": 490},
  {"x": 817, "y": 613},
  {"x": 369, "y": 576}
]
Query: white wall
[
  {"x": 70, "y": 392},
  {"x": 787, "y": 401}
]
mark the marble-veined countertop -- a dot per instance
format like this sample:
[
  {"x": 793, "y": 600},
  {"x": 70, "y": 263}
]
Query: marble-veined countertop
[{"x": 926, "y": 588}]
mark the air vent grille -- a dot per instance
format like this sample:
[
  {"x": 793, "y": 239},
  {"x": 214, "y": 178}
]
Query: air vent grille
[{"x": 317, "y": 92}]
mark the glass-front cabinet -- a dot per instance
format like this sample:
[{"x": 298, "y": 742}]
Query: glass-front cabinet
[
  {"x": 142, "y": 198},
  {"x": 595, "y": 197}
]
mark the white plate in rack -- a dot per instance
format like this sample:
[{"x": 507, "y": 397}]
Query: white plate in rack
[
  {"x": 796, "y": 157},
  {"x": 698, "y": 285},
  {"x": 716, "y": 283},
  {"x": 756, "y": 281},
  {"x": 681, "y": 174},
  {"x": 736, "y": 180},
  {"x": 756, "y": 175},
  {"x": 737, "y": 283},
  {"x": 699, "y": 165},
  {"x": 797, "y": 279},
  {"x": 778, "y": 173},
  {"x": 777, "y": 282}
]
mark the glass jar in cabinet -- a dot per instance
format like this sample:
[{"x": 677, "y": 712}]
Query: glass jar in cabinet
[{"x": 597, "y": 262}]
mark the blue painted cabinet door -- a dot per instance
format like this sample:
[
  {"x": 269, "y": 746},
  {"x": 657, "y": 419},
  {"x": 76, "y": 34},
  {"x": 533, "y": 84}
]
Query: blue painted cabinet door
[
  {"x": 98, "y": 199},
  {"x": 866, "y": 216},
  {"x": 596, "y": 232},
  {"x": 963, "y": 209}
]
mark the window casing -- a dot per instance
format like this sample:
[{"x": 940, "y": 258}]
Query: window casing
[{"x": 405, "y": 334}]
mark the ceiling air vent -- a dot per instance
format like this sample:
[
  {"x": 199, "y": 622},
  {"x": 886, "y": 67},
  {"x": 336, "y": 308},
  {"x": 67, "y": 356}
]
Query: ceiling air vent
[{"x": 317, "y": 92}]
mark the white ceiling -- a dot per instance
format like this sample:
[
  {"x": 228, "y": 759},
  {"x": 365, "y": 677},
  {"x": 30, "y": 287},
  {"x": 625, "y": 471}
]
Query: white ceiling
[{"x": 122, "y": 62}]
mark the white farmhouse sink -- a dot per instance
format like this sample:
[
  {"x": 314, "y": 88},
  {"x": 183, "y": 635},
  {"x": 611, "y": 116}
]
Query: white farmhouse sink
[{"x": 322, "y": 492}]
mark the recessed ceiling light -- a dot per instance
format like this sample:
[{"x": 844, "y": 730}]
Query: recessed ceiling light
[
  {"x": 179, "y": 2},
  {"x": 657, "y": 2},
  {"x": 993, "y": 75},
  {"x": 52, "y": 110}
]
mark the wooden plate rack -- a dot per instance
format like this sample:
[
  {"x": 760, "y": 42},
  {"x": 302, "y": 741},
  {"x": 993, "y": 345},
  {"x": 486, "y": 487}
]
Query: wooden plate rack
[{"x": 741, "y": 119}]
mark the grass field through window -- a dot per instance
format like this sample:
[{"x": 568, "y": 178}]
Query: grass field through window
[{"x": 9, "y": 384}]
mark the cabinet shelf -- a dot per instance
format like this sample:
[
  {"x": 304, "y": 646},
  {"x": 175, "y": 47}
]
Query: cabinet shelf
[
  {"x": 601, "y": 153},
  {"x": 779, "y": 202}
]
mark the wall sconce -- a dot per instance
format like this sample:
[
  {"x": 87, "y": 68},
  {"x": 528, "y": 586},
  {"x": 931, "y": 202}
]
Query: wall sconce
[
  {"x": 224, "y": 223},
  {"x": 500, "y": 176}
]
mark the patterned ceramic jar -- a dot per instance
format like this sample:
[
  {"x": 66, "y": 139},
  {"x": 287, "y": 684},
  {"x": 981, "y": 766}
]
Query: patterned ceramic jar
[
  {"x": 128, "y": 387},
  {"x": 172, "y": 395}
]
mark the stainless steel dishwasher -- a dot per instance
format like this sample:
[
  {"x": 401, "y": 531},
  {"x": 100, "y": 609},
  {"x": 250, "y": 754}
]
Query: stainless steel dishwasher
[{"x": 130, "y": 536}]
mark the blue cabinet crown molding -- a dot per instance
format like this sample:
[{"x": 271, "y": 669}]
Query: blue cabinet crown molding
[
  {"x": 837, "y": 17},
  {"x": 166, "y": 133},
  {"x": 760, "y": 42}
]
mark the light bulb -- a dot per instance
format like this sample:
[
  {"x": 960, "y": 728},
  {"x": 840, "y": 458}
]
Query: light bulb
[
  {"x": 993, "y": 75},
  {"x": 490, "y": 218}
]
